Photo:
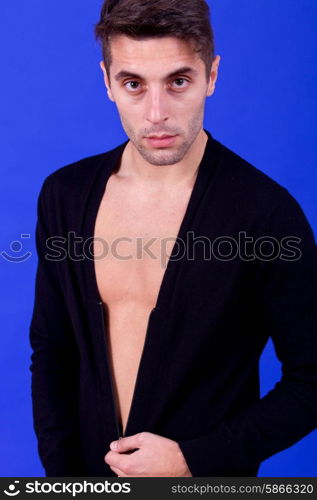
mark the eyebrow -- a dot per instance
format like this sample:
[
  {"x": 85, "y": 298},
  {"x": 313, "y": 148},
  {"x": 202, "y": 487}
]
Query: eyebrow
[{"x": 129, "y": 74}]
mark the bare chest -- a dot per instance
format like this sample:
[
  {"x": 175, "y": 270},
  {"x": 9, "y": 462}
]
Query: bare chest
[
  {"x": 134, "y": 237},
  {"x": 133, "y": 241}
]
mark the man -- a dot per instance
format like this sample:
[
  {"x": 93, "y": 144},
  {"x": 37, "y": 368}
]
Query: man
[{"x": 164, "y": 267}]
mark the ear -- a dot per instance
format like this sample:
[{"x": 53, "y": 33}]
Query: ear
[
  {"x": 106, "y": 80},
  {"x": 213, "y": 76}
]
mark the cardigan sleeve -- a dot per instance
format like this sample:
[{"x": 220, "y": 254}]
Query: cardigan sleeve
[
  {"x": 54, "y": 363},
  {"x": 287, "y": 300}
]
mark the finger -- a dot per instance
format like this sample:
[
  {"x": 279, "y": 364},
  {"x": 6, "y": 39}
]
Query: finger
[
  {"x": 126, "y": 444},
  {"x": 114, "y": 459},
  {"x": 119, "y": 472}
]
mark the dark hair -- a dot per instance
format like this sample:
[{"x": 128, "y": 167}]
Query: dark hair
[{"x": 140, "y": 19}]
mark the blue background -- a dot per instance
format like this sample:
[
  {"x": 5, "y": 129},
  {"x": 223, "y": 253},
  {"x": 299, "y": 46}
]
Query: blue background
[{"x": 54, "y": 110}]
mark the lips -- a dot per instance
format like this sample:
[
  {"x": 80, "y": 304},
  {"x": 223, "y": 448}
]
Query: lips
[
  {"x": 162, "y": 141},
  {"x": 159, "y": 136}
]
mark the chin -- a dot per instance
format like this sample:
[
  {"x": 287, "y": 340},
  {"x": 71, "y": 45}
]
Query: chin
[{"x": 162, "y": 157}]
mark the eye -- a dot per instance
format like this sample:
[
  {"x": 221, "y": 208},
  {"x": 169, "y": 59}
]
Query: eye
[
  {"x": 180, "y": 83},
  {"x": 132, "y": 85}
]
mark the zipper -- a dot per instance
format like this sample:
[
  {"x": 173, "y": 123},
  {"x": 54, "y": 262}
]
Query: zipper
[{"x": 116, "y": 416}]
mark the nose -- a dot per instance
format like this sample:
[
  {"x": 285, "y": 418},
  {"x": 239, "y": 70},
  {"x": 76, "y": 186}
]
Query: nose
[{"x": 156, "y": 106}]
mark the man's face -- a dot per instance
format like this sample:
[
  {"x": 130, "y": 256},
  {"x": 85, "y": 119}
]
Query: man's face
[{"x": 159, "y": 86}]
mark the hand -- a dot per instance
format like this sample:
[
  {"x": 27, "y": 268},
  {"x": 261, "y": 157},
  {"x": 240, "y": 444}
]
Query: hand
[{"x": 156, "y": 456}]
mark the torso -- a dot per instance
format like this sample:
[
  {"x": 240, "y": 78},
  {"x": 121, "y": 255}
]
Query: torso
[{"x": 129, "y": 287}]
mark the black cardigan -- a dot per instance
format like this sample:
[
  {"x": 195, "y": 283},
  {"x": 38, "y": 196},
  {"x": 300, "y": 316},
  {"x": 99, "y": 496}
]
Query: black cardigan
[{"x": 198, "y": 379}]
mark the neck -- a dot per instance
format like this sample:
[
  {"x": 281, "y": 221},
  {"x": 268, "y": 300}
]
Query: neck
[{"x": 133, "y": 165}]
